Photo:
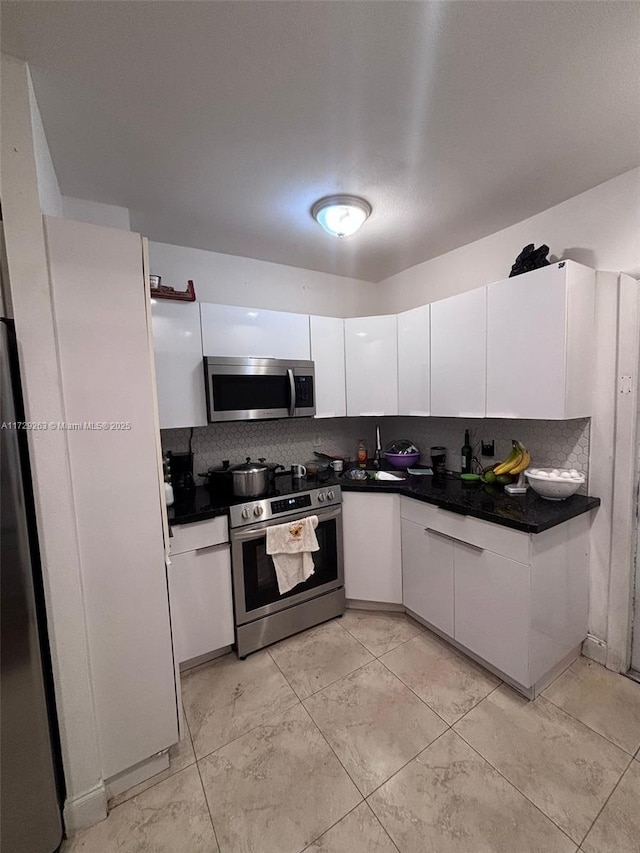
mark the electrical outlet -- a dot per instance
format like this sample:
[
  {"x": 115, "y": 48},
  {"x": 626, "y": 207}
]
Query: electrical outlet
[
  {"x": 317, "y": 440},
  {"x": 489, "y": 448}
]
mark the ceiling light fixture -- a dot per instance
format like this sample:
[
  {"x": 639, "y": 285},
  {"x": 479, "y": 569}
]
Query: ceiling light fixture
[{"x": 341, "y": 215}]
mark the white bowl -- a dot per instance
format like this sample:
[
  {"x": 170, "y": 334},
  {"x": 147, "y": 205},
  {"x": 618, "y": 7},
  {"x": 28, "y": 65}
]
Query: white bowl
[{"x": 554, "y": 487}]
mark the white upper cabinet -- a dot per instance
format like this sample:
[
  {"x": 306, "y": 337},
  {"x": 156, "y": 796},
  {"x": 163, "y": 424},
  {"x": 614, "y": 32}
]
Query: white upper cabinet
[
  {"x": 327, "y": 352},
  {"x": 178, "y": 355},
  {"x": 458, "y": 355},
  {"x": 414, "y": 370},
  {"x": 242, "y": 332},
  {"x": 540, "y": 343},
  {"x": 371, "y": 351}
]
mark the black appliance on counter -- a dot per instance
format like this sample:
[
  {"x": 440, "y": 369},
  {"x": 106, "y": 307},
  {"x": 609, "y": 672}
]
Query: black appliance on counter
[{"x": 181, "y": 474}]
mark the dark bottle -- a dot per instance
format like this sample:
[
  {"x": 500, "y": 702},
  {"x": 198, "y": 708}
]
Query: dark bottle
[{"x": 467, "y": 454}]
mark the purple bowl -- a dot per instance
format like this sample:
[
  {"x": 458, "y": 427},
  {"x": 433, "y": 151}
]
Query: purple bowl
[{"x": 402, "y": 460}]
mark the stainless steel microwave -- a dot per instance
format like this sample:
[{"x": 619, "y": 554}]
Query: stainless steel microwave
[{"x": 245, "y": 389}]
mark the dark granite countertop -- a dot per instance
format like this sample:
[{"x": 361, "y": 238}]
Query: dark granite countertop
[
  {"x": 200, "y": 506},
  {"x": 528, "y": 513}
]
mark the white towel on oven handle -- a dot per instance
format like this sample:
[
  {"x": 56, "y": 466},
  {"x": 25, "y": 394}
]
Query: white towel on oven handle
[{"x": 290, "y": 545}]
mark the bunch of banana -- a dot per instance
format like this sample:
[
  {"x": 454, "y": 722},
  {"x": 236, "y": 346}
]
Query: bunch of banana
[{"x": 516, "y": 462}]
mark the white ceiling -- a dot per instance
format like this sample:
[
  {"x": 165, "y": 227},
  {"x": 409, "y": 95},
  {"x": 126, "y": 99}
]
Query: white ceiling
[{"x": 220, "y": 123}]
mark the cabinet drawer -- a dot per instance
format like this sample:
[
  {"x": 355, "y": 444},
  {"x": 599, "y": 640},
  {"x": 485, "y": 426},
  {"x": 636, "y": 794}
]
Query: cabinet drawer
[
  {"x": 200, "y": 534},
  {"x": 513, "y": 544}
]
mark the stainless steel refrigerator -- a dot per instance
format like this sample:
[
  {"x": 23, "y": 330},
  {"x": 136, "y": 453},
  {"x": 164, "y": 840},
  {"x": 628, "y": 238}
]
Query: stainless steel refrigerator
[{"x": 31, "y": 784}]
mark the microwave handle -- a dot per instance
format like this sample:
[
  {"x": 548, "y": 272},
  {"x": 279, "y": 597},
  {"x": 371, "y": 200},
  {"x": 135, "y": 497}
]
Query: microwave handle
[{"x": 292, "y": 389}]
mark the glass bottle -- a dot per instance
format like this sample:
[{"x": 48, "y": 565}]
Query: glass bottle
[
  {"x": 362, "y": 454},
  {"x": 466, "y": 455}
]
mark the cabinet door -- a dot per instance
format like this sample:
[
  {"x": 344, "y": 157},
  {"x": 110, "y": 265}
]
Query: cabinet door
[
  {"x": 492, "y": 609},
  {"x": 540, "y": 344},
  {"x": 327, "y": 352},
  {"x": 372, "y": 552},
  {"x": 371, "y": 350},
  {"x": 201, "y": 602},
  {"x": 427, "y": 575},
  {"x": 414, "y": 371},
  {"x": 231, "y": 331},
  {"x": 458, "y": 355},
  {"x": 105, "y": 362},
  {"x": 177, "y": 344}
]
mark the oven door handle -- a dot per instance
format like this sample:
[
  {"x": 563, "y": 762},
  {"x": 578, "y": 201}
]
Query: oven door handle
[
  {"x": 292, "y": 393},
  {"x": 241, "y": 533}
]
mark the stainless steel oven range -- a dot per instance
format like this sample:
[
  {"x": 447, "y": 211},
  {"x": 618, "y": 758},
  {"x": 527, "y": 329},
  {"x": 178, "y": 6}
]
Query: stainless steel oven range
[{"x": 262, "y": 614}]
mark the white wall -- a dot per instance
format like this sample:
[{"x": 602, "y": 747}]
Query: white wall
[
  {"x": 598, "y": 228},
  {"x": 96, "y": 213},
  {"x": 48, "y": 189},
  {"x": 233, "y": 280},
  {"x": 32, "y": 311}
]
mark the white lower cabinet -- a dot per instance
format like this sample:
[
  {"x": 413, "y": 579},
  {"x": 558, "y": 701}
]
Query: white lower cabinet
[
  {"x": 492, "y": 608},
  {"x": 427, "y": 575},
  {"x": 201, "y": 601},
  {"x": 516, "y": 601},
  {"x": 372, "y": 551}
]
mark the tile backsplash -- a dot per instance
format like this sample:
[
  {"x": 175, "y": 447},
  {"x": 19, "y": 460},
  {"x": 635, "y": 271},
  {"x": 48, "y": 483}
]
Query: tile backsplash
[{"x": 559, "y": 444}]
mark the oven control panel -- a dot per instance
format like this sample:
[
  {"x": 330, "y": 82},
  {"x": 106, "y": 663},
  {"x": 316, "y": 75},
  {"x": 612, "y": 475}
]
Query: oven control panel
[
  {"x": 276, "y": 508},
  {"x": 293, "y": 502}
]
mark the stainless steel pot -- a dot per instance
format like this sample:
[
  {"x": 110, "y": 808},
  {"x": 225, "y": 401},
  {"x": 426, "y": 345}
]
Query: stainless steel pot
[{"x": 250, "y": 480}]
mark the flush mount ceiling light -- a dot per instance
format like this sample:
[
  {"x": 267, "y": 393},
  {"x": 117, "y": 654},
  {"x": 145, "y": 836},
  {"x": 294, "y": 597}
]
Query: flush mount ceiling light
[{"x": 341, "y": 215}]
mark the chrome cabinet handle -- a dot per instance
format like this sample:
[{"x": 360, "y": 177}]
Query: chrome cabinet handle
[
  {"x": 453, "y": 539},
  {"x": 292, "y": 390}
]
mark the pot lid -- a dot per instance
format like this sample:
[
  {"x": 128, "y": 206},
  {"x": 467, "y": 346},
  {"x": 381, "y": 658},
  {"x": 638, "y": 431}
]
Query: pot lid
[{"x": 249, "y": 467}]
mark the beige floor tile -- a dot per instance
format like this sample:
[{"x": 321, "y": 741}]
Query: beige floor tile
[
  {"x": 169, "y": 817},
  {"x": 379, "y": 632},
  {"x": 358, "y": 832},
  {"x": 605, "y": 701},
  {"x": 563, "y": 767},
  {"x": 617, "y": 829},
  {"x": 181, "y": 755},
  {"x": 277, "y": 788},
  {"x": 448, "y": 681},
  {"x": 318, "y": 657},
  {"x": 450, "y": 800},
  {"x": 373, "y": 723},
  {"x": 229, "y": 697}
]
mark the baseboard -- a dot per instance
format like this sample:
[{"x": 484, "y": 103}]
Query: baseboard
[
  {"x": 138, "y": 773},
  {"x": 595, "y": 649},
  {"x": 358, "y": 604},
  {"x": 192, "y": 662},
  {"x": 85, "y": 810}
]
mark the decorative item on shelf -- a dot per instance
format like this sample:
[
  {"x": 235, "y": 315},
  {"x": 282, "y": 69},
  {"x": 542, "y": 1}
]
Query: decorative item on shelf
[
  {"x": 529, "y": 259},
  {"x": 163, "y": 291}
]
